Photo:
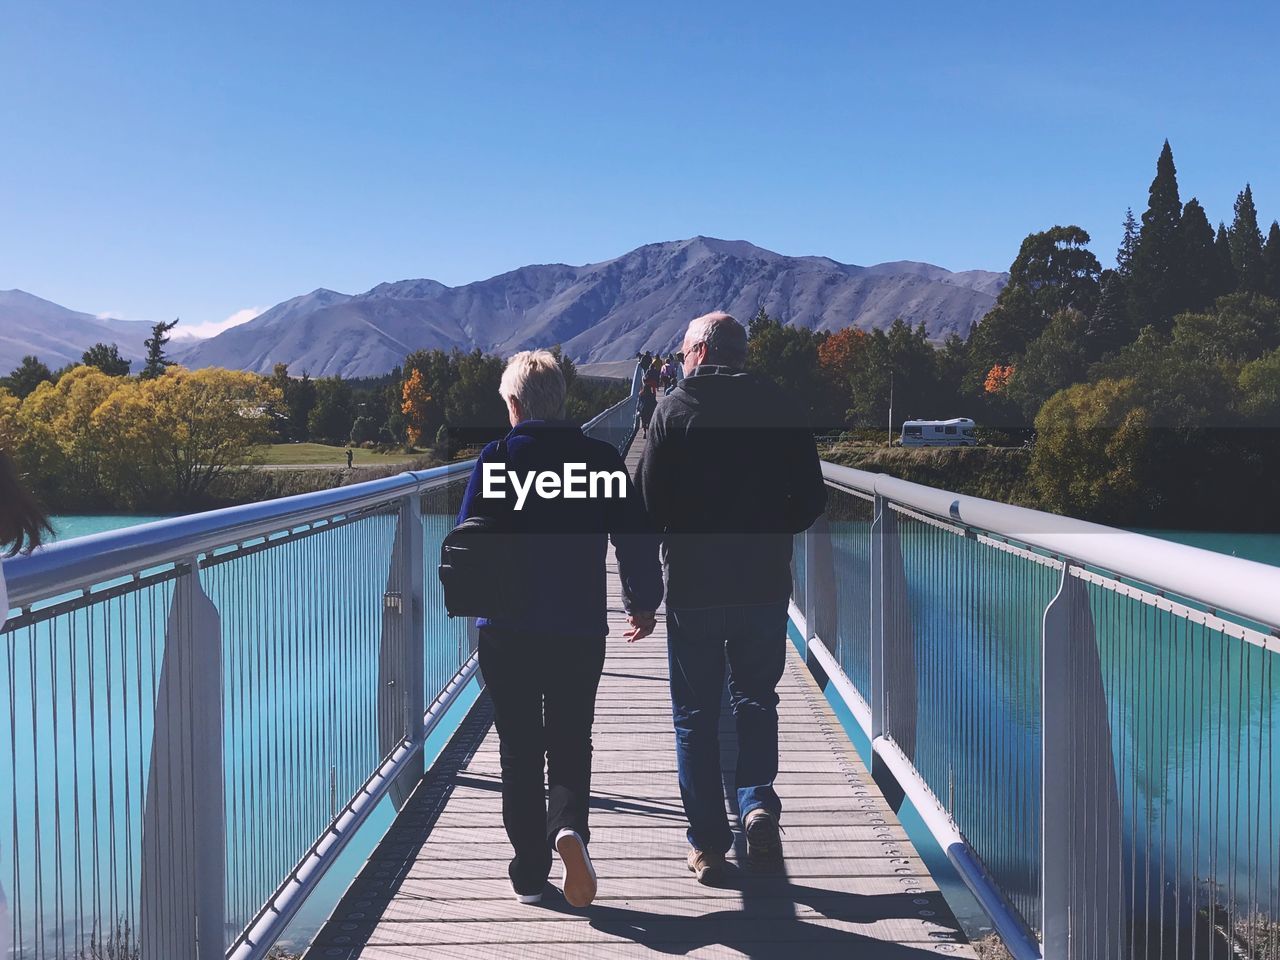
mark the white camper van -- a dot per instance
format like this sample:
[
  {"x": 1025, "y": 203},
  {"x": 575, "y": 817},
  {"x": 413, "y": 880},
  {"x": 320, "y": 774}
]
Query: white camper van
[{"x": 939, "y": 433}]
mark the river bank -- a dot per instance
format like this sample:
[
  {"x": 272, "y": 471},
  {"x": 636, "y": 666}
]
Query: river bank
[
  {"x": 1203, "y": 499},
  {"x": 993, "y": 473}
]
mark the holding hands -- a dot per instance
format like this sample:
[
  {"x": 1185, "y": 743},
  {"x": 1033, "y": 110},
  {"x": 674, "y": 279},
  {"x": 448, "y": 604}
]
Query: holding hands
[{"x": 642, "y": 624}]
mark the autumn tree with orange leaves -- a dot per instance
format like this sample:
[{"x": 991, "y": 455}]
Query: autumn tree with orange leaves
[
  {"x": 418, "y": 407},
  {"x": 998, "y": 378},
  {"x": 839, "y": 354}
]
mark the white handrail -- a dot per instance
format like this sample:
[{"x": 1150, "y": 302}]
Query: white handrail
[{"x": 1224, "y": 583}]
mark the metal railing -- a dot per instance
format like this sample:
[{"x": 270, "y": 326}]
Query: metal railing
[
  {"x": 1085, "y": 718},
  {"x": 203, "y": 711}
]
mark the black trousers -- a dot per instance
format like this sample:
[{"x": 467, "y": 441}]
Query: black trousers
[{"x": 544, "y": 702}]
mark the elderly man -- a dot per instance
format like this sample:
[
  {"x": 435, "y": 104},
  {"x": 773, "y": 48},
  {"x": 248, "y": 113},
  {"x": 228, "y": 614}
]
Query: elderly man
[
  {"x": 729, "y": 474},
  {"x": 542, "y": 662}
]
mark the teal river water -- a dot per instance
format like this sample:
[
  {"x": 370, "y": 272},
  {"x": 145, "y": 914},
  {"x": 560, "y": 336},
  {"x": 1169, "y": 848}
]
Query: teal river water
[
  {"x": 1263, "y": 547},
  {"x": 1259, "y": 547}
]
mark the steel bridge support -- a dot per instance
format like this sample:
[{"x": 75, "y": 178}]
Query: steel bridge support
[{"x": 1082, "y": 852}]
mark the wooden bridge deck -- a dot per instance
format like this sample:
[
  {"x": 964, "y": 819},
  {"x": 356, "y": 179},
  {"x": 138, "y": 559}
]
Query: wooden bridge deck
[{"x": 852, "y": 885}]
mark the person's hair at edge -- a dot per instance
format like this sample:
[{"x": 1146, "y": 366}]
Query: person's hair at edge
[
  {"x": 535, "y": 379},
  {"x": 725, "y": 339},
  {"x": 23, "y": 523}
]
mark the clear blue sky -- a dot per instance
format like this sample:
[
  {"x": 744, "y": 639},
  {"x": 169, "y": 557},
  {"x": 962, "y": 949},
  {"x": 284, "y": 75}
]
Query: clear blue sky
[{"x": 197, "y": 159}]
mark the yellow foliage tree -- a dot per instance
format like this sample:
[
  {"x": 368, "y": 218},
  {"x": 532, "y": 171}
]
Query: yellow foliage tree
[
  {"x": 10, "y": 428},
  {"x": 1092, "y": 442},
  {"x": 60, "y": 448},
  {"x": 417, "y": 405},
  {"x": 170, "y": 437}
]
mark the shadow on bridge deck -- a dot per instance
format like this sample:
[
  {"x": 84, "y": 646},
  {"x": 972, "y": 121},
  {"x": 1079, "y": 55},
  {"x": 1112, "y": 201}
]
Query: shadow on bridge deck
[{"x": 853, "y": 885}]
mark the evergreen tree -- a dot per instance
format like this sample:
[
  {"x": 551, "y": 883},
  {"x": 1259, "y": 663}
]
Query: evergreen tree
[
  {"x": 279, "y": 381},
  {"x": 1054, "y": 271},
  {"x": 106, "y": 357},
  {"x": 472, "y": 403},
  {"x": 27, "y": 376},
  {"x": 1128, "y": 244},
  {"x": 300, "y": 400},
  {"x": 1154, "y": 287},
  {"x": 156, "y": 359},
  {"x": 1108, "y": 329},
  {"x": 393, "y": 427},
  {"x": 1246, "y": 243},
  {"x": 759, "y": 323},
  {"x": 1054, "y": 361},
  {"x": 1226, "y": 272},
  {"x": 330, "y": 419},
  {"x": 1200, "y": 278},
  {"x": 1271, "y": 262}
]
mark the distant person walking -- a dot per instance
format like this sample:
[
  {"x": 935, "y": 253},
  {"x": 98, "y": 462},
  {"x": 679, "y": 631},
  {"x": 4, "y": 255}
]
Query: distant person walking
[
  {"x": 542, "y": 660},
  {"x": 350, "y": 458},
  {"x": 668, "y": 375},
  {"x": 729, "y": 474},
  {"x": 651, "y": 375},
  {"x": 648, "y": 402},
  {"x": 23, "y": 525}
]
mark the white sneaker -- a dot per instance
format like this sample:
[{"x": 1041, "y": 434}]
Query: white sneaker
[
  {"x": 579, "y": 873},
  {"x": 529, "y": 897}
]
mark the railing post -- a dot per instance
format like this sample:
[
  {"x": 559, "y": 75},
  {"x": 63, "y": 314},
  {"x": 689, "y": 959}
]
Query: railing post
[
  {"x": 183, "y": 870},
  {"x": 878, "y": 550},
  {"x": 413, "y": 567},
  {"x": 401, "y": 652},
  {"x": 819, "y": 595},
  {"x": 1082, "y": 855},
  {"x": 893, "y": 664}
]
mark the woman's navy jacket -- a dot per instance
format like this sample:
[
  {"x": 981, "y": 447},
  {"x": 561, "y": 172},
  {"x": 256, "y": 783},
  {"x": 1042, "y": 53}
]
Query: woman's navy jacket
[{"x": 568, "y": 538}]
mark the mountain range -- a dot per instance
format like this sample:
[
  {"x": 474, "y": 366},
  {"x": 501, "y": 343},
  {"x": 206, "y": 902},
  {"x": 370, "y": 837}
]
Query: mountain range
[
  {"x": 58, "y": 336},
  {"x": 599, "y": 312}
]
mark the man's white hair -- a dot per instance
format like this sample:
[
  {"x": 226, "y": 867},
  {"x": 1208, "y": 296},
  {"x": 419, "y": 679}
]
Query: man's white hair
[
  {"x": 534, "y": 378},
  {"x": 725, "y": 337}
]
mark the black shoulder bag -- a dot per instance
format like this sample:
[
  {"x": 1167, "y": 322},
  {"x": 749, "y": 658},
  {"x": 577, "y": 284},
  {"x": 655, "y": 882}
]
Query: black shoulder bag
[{"x": 479, "y": 567}]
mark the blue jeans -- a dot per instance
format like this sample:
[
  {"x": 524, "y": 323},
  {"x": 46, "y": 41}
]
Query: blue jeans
[{"x": 753, "y": 641}]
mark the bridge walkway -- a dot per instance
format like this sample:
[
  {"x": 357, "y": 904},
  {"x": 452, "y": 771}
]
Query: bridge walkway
[{"x": 852, "y": 886}]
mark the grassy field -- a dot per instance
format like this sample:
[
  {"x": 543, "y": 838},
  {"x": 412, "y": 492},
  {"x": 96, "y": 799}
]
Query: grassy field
[{"x": 319, "y": 454}]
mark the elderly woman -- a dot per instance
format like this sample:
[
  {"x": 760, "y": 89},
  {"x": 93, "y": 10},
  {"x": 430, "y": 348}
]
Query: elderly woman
[{"x": 542, "y": 664}]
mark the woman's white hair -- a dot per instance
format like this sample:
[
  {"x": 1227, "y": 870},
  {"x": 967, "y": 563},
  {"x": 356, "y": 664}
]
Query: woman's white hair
[{"x": 534, "y": 378}]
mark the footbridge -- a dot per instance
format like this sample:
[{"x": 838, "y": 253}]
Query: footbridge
[{"x": 254, "y": 733}]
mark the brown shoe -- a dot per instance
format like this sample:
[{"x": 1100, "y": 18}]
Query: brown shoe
[
  {"x": 708, "y": 867},
  {"x": 579, "y": 874},
  {"x": 764, "y": 844}
]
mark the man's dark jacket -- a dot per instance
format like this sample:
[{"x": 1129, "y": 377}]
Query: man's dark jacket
[
  {"x": 561, "y": 543},
  {"x": 730, "y": 474}
]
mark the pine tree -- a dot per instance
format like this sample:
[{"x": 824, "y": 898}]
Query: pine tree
[
  {"x": 1200, "y": 278},
  {"x": 1271, "y": 262},
  {"x": 1155, "y": 283},
  {"x": 156, "y": 359},
  {"x": 1108, "y": 330},
  {"x": 1128, "y": 244},
  {"x": 1246, "y": 243},
  {"x": 759, "y": 323},
  {"x": 26, "y": 377},
  {"x": 106, "y": 357},
  {"x": 1226, "y": 272}
]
